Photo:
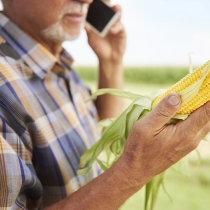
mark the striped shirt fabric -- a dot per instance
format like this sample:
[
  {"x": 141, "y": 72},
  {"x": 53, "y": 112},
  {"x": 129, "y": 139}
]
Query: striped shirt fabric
[{"x": 45, "y": 124}]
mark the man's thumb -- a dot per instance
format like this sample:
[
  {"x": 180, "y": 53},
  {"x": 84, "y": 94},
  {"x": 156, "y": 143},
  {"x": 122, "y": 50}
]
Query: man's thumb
[{"x": 164, "y": 111}]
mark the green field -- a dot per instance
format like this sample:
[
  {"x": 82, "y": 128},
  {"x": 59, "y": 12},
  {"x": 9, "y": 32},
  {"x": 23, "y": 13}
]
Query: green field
[
  {"x": 189, "y": 191},
  {"x": 154, "y": 75}
]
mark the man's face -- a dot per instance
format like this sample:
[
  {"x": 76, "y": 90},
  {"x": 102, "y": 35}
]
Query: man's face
[
  {"x": 56, "y": 20},
  {"x": 70, "y": 22}
]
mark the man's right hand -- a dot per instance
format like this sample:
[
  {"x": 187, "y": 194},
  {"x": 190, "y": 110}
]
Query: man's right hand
[{"x": 153, "y": 146}]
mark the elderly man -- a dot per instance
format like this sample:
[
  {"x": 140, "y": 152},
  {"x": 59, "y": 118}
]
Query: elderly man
[{"x": 46, "y": 126}]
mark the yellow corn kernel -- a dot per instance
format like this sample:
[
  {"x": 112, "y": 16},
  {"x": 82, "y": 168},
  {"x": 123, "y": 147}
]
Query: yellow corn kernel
[{"x": 200, "y": 98}]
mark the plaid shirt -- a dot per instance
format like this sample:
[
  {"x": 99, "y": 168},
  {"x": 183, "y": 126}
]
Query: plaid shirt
[{"x": 44, "y": 123}]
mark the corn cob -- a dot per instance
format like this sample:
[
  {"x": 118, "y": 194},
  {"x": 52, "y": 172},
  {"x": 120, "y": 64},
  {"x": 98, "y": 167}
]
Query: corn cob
[
  {"x": 202, "y": 96},
  {"x": 194, "y": 90}
]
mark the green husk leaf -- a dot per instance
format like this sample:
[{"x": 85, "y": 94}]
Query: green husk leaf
[
  {"x": 152, "y": 189},
  {"x": 113, "y": 137},
  {"x": 115, "y": 92},
  {"x": 103, "y": 124},
  {"x": 104, "y": 166},
  {"x": 116, "y": 132}
]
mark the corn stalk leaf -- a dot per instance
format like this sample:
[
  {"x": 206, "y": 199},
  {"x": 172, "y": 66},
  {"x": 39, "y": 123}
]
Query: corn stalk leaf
[
  {"x": 115, "y": 92},
  {"x": 152, "y": 189},
  {"x": 115, "y": 135},
  {"x": 103, "y": 124}
]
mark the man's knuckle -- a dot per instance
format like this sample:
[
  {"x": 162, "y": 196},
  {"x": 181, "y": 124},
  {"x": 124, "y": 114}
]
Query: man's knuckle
[
  {"x": 187, "y": 135},
  {"x": 188, "y": 140}
]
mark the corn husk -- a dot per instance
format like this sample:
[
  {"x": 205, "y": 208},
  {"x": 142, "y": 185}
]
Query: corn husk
[
  {"x": 116, "y": 132},
  {"x": 115, "y": 135}
]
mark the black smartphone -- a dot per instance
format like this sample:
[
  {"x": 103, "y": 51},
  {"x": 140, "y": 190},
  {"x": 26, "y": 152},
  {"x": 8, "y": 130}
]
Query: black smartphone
[{"x": 101, "y": 17}]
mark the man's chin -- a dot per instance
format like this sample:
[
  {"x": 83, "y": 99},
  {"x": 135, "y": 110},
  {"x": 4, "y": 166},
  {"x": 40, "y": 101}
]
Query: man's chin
[
  {"x": 73, "y": 33},
  {"x": 57, "y": 34},
  {"x": 61, "y": 39},
  {"x": 72, "y": 36}
]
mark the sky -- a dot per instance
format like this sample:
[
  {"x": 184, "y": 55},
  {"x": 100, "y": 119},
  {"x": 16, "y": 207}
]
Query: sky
[{"x": 159, "y": 32}]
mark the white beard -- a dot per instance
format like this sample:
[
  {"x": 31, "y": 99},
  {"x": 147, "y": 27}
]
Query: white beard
[{"x": 56, "y": 32}]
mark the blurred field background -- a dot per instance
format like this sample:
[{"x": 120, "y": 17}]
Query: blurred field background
[{"x": 188, "y": 190}]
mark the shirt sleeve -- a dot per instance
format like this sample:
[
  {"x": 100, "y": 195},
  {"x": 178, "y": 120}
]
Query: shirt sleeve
[{"x": 18, "y": 181}]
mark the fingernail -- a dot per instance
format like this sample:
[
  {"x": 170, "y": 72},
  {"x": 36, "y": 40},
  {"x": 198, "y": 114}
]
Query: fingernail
[{"x": 173, "y": 100}]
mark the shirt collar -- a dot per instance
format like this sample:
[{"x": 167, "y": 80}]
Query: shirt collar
[{"x": 36, "y": 56}]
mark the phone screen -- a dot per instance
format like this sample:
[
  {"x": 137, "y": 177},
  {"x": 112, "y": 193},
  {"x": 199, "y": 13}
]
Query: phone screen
[{"x": 99, "y": 15}]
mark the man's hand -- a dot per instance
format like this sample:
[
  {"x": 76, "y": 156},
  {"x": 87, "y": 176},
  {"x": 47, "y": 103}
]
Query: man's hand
[
  {"x": 153, "y": 146},
  {"x": 110, "y": 51},
  {"x": 112, "y": 47}
]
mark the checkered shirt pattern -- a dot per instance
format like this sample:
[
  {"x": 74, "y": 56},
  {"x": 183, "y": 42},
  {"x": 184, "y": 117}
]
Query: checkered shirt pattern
[{"x": 45, "y": 125}]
